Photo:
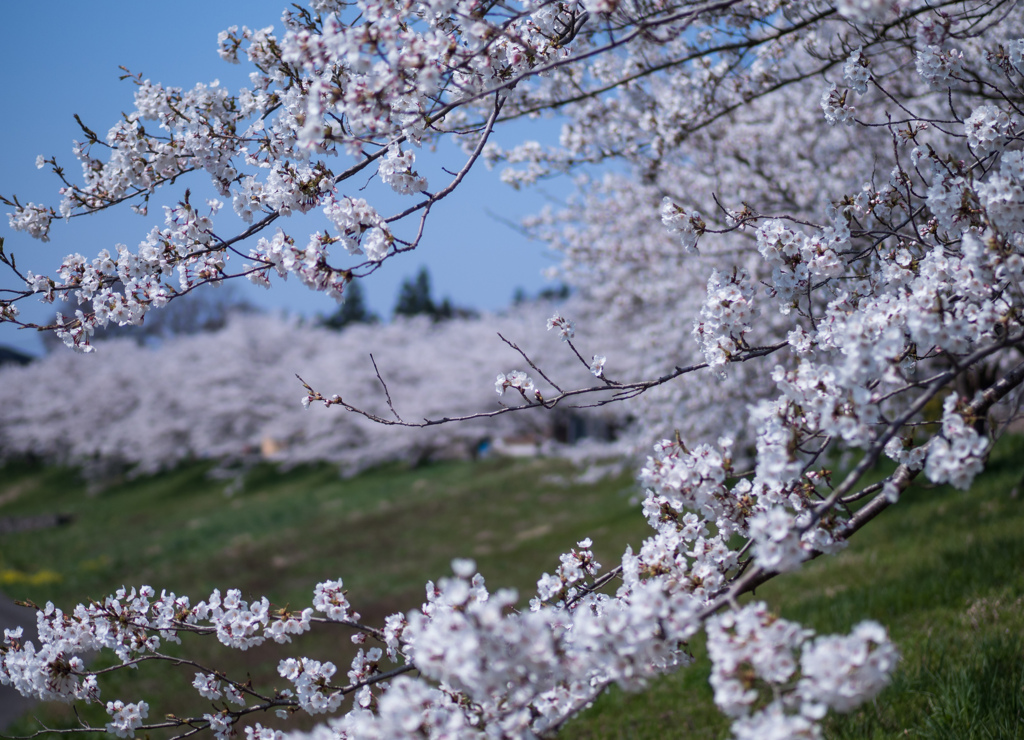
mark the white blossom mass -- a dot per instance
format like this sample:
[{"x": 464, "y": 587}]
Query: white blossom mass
[{"x": 804, "y": 219}]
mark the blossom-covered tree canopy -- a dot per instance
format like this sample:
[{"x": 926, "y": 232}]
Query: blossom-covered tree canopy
[{"x": 805, "y": 219}]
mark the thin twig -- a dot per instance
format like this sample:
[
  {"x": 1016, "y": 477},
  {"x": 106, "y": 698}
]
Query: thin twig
[
  {"x": 387, "y": 394},
  {"x": 623, "y": 391},
  {"x": 530, "y": 362}
]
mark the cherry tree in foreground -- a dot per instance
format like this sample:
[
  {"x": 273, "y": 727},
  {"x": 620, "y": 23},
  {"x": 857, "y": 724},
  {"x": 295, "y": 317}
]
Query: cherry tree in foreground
[{"x": 811, "y": 229}]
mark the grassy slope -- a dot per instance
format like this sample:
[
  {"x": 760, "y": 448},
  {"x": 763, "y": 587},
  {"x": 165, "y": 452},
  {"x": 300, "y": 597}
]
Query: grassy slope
[
  {"x": 386, "y": 533},
  {"x": 943, "y": 570}
]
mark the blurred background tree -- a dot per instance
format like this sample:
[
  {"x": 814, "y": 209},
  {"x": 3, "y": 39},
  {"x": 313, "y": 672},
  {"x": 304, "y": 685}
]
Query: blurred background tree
[
  {"x": 352, "y": 311},
  {"x": 415, "y": 299}
]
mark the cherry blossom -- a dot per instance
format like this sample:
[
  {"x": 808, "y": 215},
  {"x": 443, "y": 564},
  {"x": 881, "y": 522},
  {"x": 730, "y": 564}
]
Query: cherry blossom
[{"x": 850, "y": 279}]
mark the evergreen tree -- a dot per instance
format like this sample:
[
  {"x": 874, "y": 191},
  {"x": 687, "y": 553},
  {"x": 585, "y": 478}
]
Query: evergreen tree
[
  {"x": 353, "y": 309},
  {"x": 414, "y": 297}
]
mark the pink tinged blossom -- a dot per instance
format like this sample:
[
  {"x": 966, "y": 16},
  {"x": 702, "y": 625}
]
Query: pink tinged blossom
[
  {"x": 233, "y": 695},
  {"x": 842, "y": 672},
  {"x": 937, "y": 67},
  {"x": 835, "y": 106},
  {"x": 566, "y": 329},
  {"x": 958, "y": 454},
  {"x": 33, "y": 219},
  {"x": 207, "y": 685},
  {"x": 687, "y": 226},
  {"x": 220, "y": 725},
  {"x": 855, "y": 71},
  {"x": 777, "y": 544},
  {"x": 126, "y": 718},
  {"x": 259, "y": 732},
  {"x": 397, "y": 171},
  {"x": 515, "y": 379},
  {"x": 329, "y": 598},
  {"x": 988, "y": 128},
  {"x": 725, "y": 317}
]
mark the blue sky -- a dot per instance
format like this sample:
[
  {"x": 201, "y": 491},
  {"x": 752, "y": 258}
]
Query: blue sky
[{"x": 66, "y": 60}]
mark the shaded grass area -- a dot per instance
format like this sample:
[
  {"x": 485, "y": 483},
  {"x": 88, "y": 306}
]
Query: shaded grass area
[
  {"x": 943, "y": 570},
  {"x": 385, "y": 532}
]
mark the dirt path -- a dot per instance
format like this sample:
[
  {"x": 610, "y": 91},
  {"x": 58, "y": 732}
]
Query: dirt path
[{"x": 12, "y": 704}]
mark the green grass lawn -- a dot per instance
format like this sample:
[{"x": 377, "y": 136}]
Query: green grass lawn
[{"x": 944, "y": 570}]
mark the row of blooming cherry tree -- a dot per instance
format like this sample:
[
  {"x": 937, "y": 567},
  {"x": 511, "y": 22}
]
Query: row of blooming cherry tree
[
  {"x": 806, "y": 218},
  {"x": 232, "y": 394}
]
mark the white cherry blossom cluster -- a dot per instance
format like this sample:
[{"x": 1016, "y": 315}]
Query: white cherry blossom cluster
[
  {"x": 797, "y": 259},
  {"x": 208, "y": 686},
  {"x": 499, "y": 670},
  {"x": 835, "y": 106},
  {"x": 126, "y": 718},
  {"x": 566, "y": 328},
  {"x": 515, "y": 379},
  {"x": 956, "y": 455},
  {"x": 988, "y": 128},
  {"x": 397, "y": 171},
  {"x": 688, "y": 227},
  {"x": 776, "y": 539},
  {"x": 759, "y": 679},
  {"x": 726, "y": 317},
  {"x": 839, "y": 671},
  {"x": 311, "y": 679},
  {"x": 375, "y": 90},
  {"x": 937, "y": 66},
  {"x": 361, "y": 228},
  {"x": 33, "y": 219},
  {"x": 1014, "y": 52},
  {"x": 364, "y": 667},
  {"x": 878, "y": 264},
  {"x": 329, "y": 598},
  {"x": 576, "y": 566},
  {"x": 856, "y": 72}
]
